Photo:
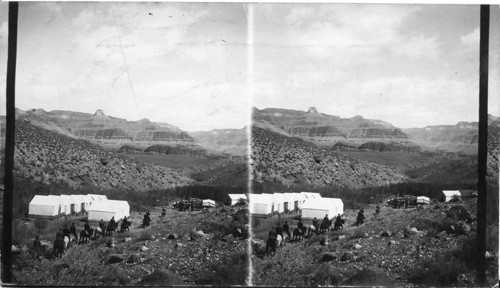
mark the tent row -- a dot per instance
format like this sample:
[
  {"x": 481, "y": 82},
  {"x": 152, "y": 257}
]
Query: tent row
[
  {"x": 306, "y": 202},
  {"x": 96, "y": 206}
]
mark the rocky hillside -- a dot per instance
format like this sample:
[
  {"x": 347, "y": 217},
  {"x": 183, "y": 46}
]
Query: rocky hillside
[
  {"x": 434, "y": 246},
  {"x": 230, "y": 141},
  {"x": 46, "y": 156},
  {"x": 182, "y": 248},
  {"x": 290, "y": 161},
  {"x": 104, "y": 129},
  {"x": 316, "y": 126}
]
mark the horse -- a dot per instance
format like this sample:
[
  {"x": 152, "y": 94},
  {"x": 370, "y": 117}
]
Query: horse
[
  {"x": 98, "y": 232},
  {"x": 59, "y": 247},
  {"x": 339, "y": 224},
  {"x": 271, "y": 245},
  {"x": 324, "y": 226},
  {"x": 110, "y": 230},
  {"x": 311, "y": 230},
  {"x": 124, "y": 226},
  {"x": 84, "y": 237},
  {"x": 298, "y": 234}
]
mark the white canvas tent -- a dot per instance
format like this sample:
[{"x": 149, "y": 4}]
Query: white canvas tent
[
  {"x": 294, "y": 199},
  {"x": 42, "y": 205},
  {"x": 322, "y": 206},
  {"x": 423, "y": 200},
  {"x": 261, "y": 204},
  {"x": 450, "y": 194},
  {"x": 278, "y": 202},
  {"x": 208, "y": 203},
  {"x": 235, "y": 198},
  {"x": 79, "y": 203},
  {"x": 109, "y": 208},
  {"x": 315, "y": 195},
  {"x": 68, "y": 204}
]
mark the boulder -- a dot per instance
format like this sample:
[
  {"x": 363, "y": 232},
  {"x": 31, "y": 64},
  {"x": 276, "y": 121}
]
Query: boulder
[
  {"x": 340, "y": 237},
  {"x": 386, "y": 234},
  {"x": 172, "y": 236},
  {"x": 357, "y": 246},
  {"x": 179, "y": 245},
  {"x": 327, "y": 257},
  {"x": 115, "y": 258},
  {"x": 391, "y": 243},
  {"x": 143, "y": 249},
  {"x": 134, "y": 258},
  {"x": 347, "y": 256},
  {"x": 127, "y": 239}
]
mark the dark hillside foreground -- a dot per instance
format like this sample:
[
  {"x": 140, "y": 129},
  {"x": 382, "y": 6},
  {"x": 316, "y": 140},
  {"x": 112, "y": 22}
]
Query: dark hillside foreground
[
  {"x": 182, "y": 248},
  {"x": 434, "y": 246}
]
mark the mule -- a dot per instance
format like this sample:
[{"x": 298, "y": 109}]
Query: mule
[
  {"x": 59, "y": 247},
  {"x": 339, "y": 224},
  {"x": 84, "y": 237},
  {"x": 311, "y": 230},
  {"x": 298, "y": 235}
]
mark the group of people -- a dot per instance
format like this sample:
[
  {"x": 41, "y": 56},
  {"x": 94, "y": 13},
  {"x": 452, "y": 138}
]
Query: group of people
[{"x": 298, "y": 233}]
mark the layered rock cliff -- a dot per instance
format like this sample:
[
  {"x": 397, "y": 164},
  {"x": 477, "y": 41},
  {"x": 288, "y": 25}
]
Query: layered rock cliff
[{"x": 312, "y": 125}]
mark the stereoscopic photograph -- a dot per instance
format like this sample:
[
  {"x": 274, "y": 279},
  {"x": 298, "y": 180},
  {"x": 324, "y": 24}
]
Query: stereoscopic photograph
[
  {"x": 130, "y": 144},
  {"x": 249, "y": 144}
]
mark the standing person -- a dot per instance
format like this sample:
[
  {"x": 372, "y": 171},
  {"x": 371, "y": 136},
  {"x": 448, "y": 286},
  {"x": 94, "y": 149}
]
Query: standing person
[
  {"x": 286, "y": 229},
  {"x": 66, "y": 231},
  {"x": 279, "y": 230},
  {"x": 37, "y": 243},
  {"x": 72, "y": 230},
  {"x": 163, "y": 212},
  {"x": 361, "y": 217},
  {"x": 101, "y": 225},
  {"x": 300, "y": 225},
  {"x": 377, "y": 210},
  {"x": 87, "y": 227},
  {"x": 112, "y": 223},
  {"x": 271, "y": 241}
]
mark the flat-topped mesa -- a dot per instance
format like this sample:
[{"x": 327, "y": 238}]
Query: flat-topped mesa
[
  {"x": 312, "y": 110},
  {"x": 99, "y": 113}
]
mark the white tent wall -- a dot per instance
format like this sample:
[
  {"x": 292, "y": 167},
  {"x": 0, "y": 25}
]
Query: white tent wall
[
  {"x": 208, "y": 203},
  {"x": 98, "y": 215},
  {"x": 423, "y": 200},
  {"x": 322, "y": 206},
  {"x": 43, "y": 206},
  {"x": 278, "y": 202},
  {"x": 261, "y": 204},
  {"x": 78, "y": 202},
  {"x": 293, "y": 199}
]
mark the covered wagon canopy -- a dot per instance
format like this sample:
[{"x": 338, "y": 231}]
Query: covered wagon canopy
[
  {"x": 235, "y": 198},
  {"x": 450, "y": 194},
  {"x": 107, "y": 209},
  {"x": 42, "y": 205},
  {"x": 322, "y": 206},
  {"x": 423, "y": 200},
  {"x": 208, "y": 203},
  {"x": 261, "y": 204}
]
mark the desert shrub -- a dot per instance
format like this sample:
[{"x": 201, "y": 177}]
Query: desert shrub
[
  {"x": 161, "y": 277},
  {"x": 325, "y": 275},
  {"x": 442, "y": 270},
  {"x": 214, "y": 227},
  {"x": 22, "y": 233},
  {"x": 255, "y": 222},
  {"x": 370, "y": 277},
  {"x": 232, "y": 270},
  {"x": 144, "y": 235},
  {"x": 40, "y": 224},
  {"x": 358, "y": 233},
  {"x": 115, "y": 275}
]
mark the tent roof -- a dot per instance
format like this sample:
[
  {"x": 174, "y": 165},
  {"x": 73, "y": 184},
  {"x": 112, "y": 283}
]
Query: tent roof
[
  {"x": 237, "y": 196},
  {"x": 42, "y": 200},
  {"x": 322, "y": 203},
  {"x": 261, "y": 198},
  {"x": 451, "y": 193},
  {"x": 423, "y": 197},
  {"x": 97, "y": 197}
]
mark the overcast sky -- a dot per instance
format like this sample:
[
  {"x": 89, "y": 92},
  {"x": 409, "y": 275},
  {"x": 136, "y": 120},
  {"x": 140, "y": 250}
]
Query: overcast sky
[
  {"x": 187, "y": 62},
  {"x": 410, "y": 65}
]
